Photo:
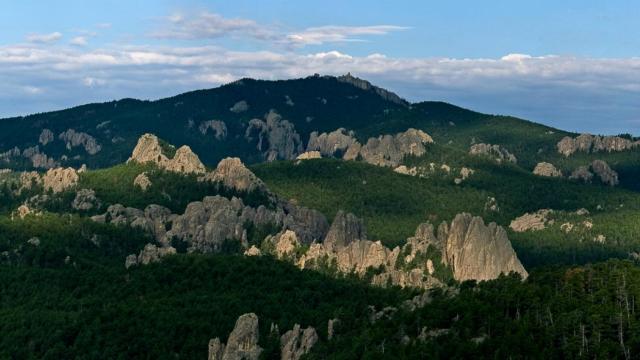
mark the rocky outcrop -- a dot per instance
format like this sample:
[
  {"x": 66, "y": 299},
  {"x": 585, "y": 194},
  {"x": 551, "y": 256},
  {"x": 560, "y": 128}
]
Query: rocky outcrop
[
  {"x": 242, "y": 343},
  {"x": 607, "y": 175},
  {"x": 532, "y": 221},
  {"x": 307, "y": 155},
  {"x": 239, "y": 107},
  {"x": 274, "y": 137},
  {"x": 582, "y": 173},
  {"x": 28, "y": 180},
  {"x": 335, "y": 143},
  {"x": 153, "y": 219},
  {"x": 148, "y": 149},
  {"x": 546, "y": 169},
  {"x": 476, "y": 251},
  {"x": 185, "y": 162},
  {"x": 297, "y": 342},
  {"x": 217, "y": 127},
  {"x": 37, "y": 158},
  {"x": 345, "y": 229},
  {"x": 365, "y": 85},
  {"x": 402, "y": 169},
  {"x": 496, "y": 152},
  {"x": 464, "y": 175},
  {"x": 60, "y": 179},
  {"x": 149, "y": 254},
  {"x": 389, "y": 150},
  {"x": 46, "y": 136},
  {"x": 206, "y": 224},
  {"x": 232, "y": 173},
  {"x": 385, "y": 150},
  {"x": 142, "y": 181},
  {"x": 74, "y": 138},
  {"x": 593, "y": 143},
  {"x": 308, "y": 224},
  {"x": 598, "y": 168},
  {"x": 85, "y": 200}
]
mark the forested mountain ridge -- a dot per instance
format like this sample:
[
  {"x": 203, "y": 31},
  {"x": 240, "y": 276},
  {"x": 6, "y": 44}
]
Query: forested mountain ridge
[{"x": 384, "y": 229}]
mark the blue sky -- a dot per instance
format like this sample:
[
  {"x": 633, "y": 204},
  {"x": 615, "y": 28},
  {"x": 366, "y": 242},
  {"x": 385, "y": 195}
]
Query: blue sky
[{"x": 570, "y": 64}]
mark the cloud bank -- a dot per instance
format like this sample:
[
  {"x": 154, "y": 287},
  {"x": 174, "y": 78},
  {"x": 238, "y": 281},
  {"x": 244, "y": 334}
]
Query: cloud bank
[{"x": 573, "y": 93}]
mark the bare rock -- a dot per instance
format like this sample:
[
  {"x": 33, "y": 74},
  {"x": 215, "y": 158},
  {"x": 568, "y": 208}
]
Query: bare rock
[
  {"x": 297, "y": 342},
  {"x": 605, "y": 173},
  {"x": 23, "y": 210},
  {"x": 593, "y": 143},
  {"x": 186, "y": 161},
  {"x": 335, "y": 143},
  {"x": 219, "y": 128},
  {"x": 308, "y": 224},
  {"x": 388, "y": 150},
  {"x": 331, "y": 327},
  {"x": 476, "y": 251},
  {"x": 465, "y": 172},
  {"x": 239, "y": 107},
  {"x": 365, "y": 85},
  {"x": 242, "y": 343},
  {"x": 148, "y": 149},
  {"x": 85, "y": 200},
  {"x": 496, "y": 152},
  {"x": 285, "y": 243},
  {"x": 142, "y": 181},
  {"x": 274, "y": 137},
  {"x": 232, "y": 173},
  {"x": 546, "y": 169},
  {"x": 531, "y": 221},
  {"x": 74, "y": 138},
  {"x": 29, "y": 179},
  {"x": 402, "y": 169},
  {"x": 60, "y": 179},
  {"x": 46, "y": 136},
  {"x": 582, "y": 173},
  {"x": 345, "y": 229},
  {"x": 253, "y": 251},
  {"x": 309, "y": 155}
]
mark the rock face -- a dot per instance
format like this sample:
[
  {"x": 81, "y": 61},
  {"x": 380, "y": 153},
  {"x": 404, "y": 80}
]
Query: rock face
[
  {"x": 476, "y": 251},
  {"x": 46, "y": 136},
  {"x": 335, "y": 143},
  {"x": 242, "y": 343},
  {"x": 274, "y": 137},
  {"x": 232, "y": 173},
  {"x": 150, "y": 254},
  {"x": 365, "y": 85},
  {"x": 309, "y": 155},
  {"x": 389, "y": 150},
  {"x": 297, "y": 342},
  {"x": 217, "y": 127},
  {"x": 239, "y": 107},
  {"x": 60, "y": 179},
  {"x": 74, "y": 138},
  {"x": 385, "y": 150},
  {"x": 85, "y": 200},
  {"x": 498, "y": 153},
  {"x": 37, "y": 158},
  {"x": 184, "y": 161},
  {"x": 345, "y": 229},
  {"x": 547, "y": 169},
  {"x": 605, "y": 173},
  {"x": 142, "y": 181},
  {"x": 582, "y": 173},
  {"x": 154, "y": 219},
  {"x": 531, "y": 221},
  {"x": 593, "y": 143}
]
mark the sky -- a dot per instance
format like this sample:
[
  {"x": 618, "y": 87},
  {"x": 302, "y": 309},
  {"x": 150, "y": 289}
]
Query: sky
[{"x": 570, "y": 64}]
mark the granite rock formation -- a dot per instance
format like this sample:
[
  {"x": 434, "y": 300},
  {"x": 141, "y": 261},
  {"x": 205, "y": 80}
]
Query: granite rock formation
[
  {"x": 74, "y": 138},
  {"x": 149, "y": 149},
  {"x": 546, "y": 169},
  {"x": 242, "y": 343},
  {"x": 274, "y": 137},
  {"x": 593, "y": 143},
  {"x": 496, "y": 152}
]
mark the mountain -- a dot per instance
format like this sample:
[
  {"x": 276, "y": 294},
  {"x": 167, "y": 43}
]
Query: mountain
[{"x": 322, "y": 217}]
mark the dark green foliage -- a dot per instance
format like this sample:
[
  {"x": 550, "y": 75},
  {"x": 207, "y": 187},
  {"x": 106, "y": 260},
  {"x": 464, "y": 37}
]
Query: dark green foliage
[
  {"x": 558, "y": 313},
  {"x": 166, "y": 310}
]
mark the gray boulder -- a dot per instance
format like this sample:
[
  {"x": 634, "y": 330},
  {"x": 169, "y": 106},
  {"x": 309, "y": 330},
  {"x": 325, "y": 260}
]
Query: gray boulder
[
  {"x": 297, "y": 342},
  {"x": 242, "y": 343},
  {"x": 85, "y": 200},
  {"x": 345, "y": 229},
  {"x": 274, "y": 137},
  {"x": 496, "y": 152},
  {"x": 607, "y": 175}
]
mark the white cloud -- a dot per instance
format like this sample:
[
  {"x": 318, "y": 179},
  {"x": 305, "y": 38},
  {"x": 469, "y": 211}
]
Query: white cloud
[
  {"x": 44, "y": 38},
  {"x": 207, "y": 25},
  {"x": 79, "y": 41},
  {"x": 600, "y": 95},
  {"x": 333, "y": 34}
]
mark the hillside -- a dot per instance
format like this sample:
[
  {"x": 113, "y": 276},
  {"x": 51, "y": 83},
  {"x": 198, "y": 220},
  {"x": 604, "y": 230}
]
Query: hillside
[{"x": 384, "y": 229}]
